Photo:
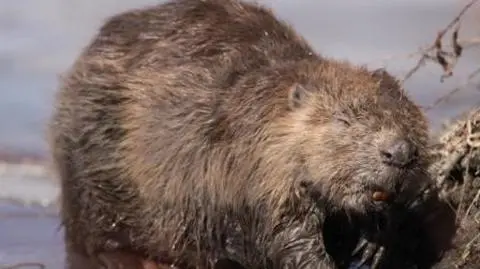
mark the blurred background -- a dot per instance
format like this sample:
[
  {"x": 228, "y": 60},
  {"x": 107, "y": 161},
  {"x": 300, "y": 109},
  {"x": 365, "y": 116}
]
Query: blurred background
[{"x": 40, "y": 39}]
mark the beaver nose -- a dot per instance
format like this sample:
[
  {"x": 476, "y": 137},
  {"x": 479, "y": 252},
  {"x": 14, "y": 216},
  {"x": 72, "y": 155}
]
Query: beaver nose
[{"x": 400, "y": 153}]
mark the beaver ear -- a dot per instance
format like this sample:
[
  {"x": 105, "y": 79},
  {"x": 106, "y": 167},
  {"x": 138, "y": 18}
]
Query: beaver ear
[
  {"x": 296, "y": 96},
  {"x": 386, "y": 80},
  {"x": 379, "y": 72}
]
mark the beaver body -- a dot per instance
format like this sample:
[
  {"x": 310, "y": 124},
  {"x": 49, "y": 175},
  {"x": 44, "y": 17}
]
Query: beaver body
[{"x": 195, "y": 131}]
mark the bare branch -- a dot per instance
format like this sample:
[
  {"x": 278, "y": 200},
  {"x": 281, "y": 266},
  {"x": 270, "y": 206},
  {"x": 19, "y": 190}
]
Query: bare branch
[
  {"x": 436, "y": 52},
  {"x": 455, "y": 90}
]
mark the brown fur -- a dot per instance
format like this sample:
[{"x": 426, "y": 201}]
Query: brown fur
[
  {"x": 113, "y": 260},
  {"x": 127, "y": 260},
  {"x": 189, "y": 122}
]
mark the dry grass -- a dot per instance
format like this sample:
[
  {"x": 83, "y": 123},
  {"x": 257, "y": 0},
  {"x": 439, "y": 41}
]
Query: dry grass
[
  {"x": 456, "y": 149},
  {"x": 457, "y": 170}
]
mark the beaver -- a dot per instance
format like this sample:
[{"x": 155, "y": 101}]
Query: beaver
[{"x": 194, "y": 132}]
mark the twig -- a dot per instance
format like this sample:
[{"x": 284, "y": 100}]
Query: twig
[
  {"x": 394, "y": 57},
  {"x": 467, "y": 180},
  {"x": 449, "y": 165},
  {"x": 464, "y": 43},
  {"x": 467, "y": 43},
  {"x": 472, "y": 138},
  {"x": 474, "y": 201},
  {"x": 468, "y": 248},
  {"x": 447, "y": 96},
  {"x": 472, "y": 75},
  {"x": 436, "y": 47}
]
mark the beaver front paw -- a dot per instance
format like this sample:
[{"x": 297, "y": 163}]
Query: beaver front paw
[{"x": 368, "y": 251}]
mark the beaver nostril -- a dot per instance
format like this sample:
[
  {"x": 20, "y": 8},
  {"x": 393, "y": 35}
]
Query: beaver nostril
[
  {"x": 386, "y": 155},
  {"x": 399, "y": 153},
  {"x": 416, "y": 153}
]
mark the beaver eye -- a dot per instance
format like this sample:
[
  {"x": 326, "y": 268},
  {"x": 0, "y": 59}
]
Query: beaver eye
[{"x": 342, "y": 119}]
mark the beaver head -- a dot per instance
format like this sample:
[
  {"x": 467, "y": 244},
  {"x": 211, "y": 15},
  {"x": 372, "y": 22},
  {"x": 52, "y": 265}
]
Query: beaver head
[{"x": 360, "y": 140}]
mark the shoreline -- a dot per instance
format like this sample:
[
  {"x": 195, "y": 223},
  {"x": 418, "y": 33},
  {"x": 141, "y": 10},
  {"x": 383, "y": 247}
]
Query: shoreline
[
  {"x": 21, "y": 163},
  {"x": 26, "y": 180},
  {"x": 12, "y": 156}
]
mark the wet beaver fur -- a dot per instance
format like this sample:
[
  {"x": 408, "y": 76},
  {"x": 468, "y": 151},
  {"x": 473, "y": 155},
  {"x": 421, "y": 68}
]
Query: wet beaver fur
[{"x": 194, "y": 132}]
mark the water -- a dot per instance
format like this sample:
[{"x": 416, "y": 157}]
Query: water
[
  {"x": 29, "y": 226},
  {"x": 29, "y": 234},
  {"x": 40, "y": 39}
]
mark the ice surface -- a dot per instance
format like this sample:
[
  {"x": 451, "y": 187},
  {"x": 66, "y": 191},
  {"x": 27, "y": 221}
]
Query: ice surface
[{"x": 30, "y": 234}]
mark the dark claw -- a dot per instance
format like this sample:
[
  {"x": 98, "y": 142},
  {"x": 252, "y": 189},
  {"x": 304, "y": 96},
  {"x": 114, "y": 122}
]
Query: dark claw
[
  {"x": 378, "y": 258},
  {"x": 370, "y": 251},
  {"x": 361, "y": 246}
]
